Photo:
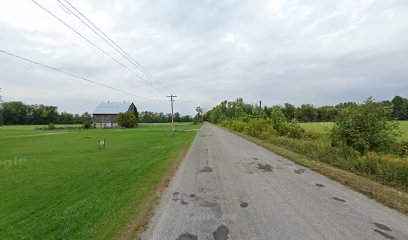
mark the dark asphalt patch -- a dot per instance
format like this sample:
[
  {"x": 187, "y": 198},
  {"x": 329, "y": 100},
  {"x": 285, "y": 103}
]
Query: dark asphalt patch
[
  {"x": 244, "y": 204},
  {"x": 206, "y": 169},
  {"x": 176, "y": 193},
  {"x": 192, "y": 195},
  {"x": 382, "y": 226},
  {"x": 215, "y": 207},
  {"x": 221, "y": 233},
  {"x": 183, "y": 202},
  {"x": 384, "y": 234},
  {"x": 187, "y": 236},
  {"x": 203, "y": 135},
  {"x": 299, "y": 171},
  {"x": 319, "y": 185},
  {"x": 265, "y": 167},
  {"x": 249, "y": 172},
  {"x": 339, "y": 199}
]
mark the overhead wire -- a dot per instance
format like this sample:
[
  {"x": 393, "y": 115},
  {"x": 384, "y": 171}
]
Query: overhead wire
[
  {"x": 122, "y": 51},
  {"x": 93, "y": 44},
  {"x": 109, "y": 43},
  {"x": 78, "y": 77}
]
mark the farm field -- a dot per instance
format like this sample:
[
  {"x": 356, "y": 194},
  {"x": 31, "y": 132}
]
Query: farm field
[
  {"x": 60, "y": 185},
  {"x": 326, "y": 126}
]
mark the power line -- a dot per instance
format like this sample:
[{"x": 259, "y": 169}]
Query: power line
[
  {"x": 103, "y": 38},
  {"x": 90, "y": 42},
  {"x": 127, "y": 55},
  {"x": 76, "y": 76}
]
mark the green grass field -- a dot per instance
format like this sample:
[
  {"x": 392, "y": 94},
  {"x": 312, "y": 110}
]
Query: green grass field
[
  {"x": 59, "y": 185},
  {"x": 326, "y": 126}
]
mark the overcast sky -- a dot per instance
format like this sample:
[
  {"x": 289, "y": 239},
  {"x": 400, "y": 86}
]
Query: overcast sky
[{"x": 299, "y": 51}]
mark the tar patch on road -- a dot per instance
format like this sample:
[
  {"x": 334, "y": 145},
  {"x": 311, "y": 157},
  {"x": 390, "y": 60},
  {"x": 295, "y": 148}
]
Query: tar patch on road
[
  {"x": 382, "y": 226},
  {"x": 215, "y": 207},
  {"x": 192, "y": 195},
  {"x": 221, "y": 233},
  {"x": 206, "y": 169},
  {"x": 299, "y": 171},
  {"x": 244, "y": 204},
  {"x": 386, "y": 235},
  {"x": 265, "y": 167},
  {"x": 183, "y": 202},
  {"x": 319, "y": 185},
  {"x": 203, "y": 135},
  {"x": 339, "y": 199},
  {"x": 187, "y": 236}
]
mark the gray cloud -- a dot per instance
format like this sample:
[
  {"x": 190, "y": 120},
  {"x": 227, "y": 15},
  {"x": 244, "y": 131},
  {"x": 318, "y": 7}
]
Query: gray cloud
[{"x": 319, "y": 52}]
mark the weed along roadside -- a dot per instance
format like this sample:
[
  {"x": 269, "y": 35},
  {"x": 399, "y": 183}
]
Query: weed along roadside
[
  {"x": 85, "y": 191},
  {"x": 362, "y": 151}
]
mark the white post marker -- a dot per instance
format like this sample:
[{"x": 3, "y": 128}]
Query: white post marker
[{"x": 102, "y": 143}]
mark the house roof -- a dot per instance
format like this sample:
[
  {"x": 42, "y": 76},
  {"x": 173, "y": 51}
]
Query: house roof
[{"x": 112, "y": 108}]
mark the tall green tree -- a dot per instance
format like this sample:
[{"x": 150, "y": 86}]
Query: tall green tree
[
  {"x": 365, "y": 127},
  {"x": 400, "y": 108}
]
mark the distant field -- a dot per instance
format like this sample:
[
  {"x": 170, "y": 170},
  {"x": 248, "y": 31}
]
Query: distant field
[
  {"x": 326, "y": 126},
  {"x": 59, "y": 185}
]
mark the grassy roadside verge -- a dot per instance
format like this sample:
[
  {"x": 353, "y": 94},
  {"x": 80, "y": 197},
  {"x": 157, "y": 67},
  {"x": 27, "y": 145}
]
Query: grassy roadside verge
[
  {"x": 384, "y": 194},
  {"x": 139, "y": 222},
  {"x": 62, "y": 186}
]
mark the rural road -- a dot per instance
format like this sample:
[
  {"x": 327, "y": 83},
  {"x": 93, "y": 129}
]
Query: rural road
[{"x": 230, "y": 188}]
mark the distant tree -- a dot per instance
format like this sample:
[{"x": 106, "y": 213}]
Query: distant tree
[
  {"x": 127, "y": 120},
  {"x": 199, "y": 111},
  {"x": 289, "y": 111},
  {"x": 177, "y": 117},
  {"x": 326, "y": 114},
  {"x": 86, "y": 118},
  {"x": 400, "y": 108},
  {"x": 306, "y": 113},
  {"x": 1, "y": 116},
  {"x": 14, "y": 113},
  {"x": 365, "y": 127}
]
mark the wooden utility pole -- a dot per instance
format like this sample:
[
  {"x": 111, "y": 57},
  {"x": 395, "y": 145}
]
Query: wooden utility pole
[
  {"x": 172, "y": 114},
  {"x": 260, "y": 109}
]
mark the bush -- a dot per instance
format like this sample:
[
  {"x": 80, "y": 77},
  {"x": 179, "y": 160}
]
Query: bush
[
  {"x": 365, "y": 128},
  {"x": 87, "y": 125},
  {"x": 127, "y": 120},
  {"x": 51, "y": 126}
]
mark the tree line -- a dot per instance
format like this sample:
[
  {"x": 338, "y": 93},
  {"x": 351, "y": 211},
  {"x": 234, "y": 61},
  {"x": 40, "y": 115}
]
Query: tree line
[
  {"x": 159, "y": 117},
  {"x": 304, "y": 113},
  {"x": 18, "y": 113}
]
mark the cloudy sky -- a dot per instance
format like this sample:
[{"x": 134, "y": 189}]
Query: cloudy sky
[{"x": 299, "y": 51}]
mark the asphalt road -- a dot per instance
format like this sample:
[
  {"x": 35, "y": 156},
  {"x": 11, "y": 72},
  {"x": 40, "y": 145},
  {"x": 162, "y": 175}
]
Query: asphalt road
[{"x": 230, "y": 188}]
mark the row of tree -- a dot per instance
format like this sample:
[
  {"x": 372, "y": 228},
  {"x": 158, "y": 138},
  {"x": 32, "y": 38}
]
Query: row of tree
[
  {"x": 18, "y": 113},
  {"x": 159, "y": 117},
  {"x": 305, "y": 113}
]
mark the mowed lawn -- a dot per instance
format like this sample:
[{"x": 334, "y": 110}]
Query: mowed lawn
[
  {"x": 327, "y": 126},
  {"x": 59, "y": 185}
]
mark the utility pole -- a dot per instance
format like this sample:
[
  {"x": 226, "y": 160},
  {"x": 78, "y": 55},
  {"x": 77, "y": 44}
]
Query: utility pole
[
  {"x": 172, "y": 115},
  {"x": 260, "y": 109}
]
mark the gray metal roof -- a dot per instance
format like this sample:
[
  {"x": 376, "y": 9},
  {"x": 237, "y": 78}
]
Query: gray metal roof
[{"x": 112, "y": 108}]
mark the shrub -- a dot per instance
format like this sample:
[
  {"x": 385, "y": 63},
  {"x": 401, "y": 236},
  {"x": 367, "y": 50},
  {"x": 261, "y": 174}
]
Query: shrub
[
  {"x": 127, "y": 120},
  {"x": 365, "y": 127},
  {"x": 51, "y": 126},
  {"x": 277, "y": 117},
  {"x": 87, "y": 125},
  {"x": 256, "y": 126}
]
